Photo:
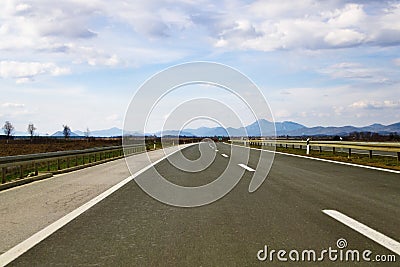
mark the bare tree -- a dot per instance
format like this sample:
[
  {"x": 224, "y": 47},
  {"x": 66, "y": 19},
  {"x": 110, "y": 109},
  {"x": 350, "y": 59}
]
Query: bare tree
[
  {"x": 8, "y": 129},
  {"x": 87, "y": 134},
  {"x": 31, "y": 130},
  {"x": 66, "y": 131}
]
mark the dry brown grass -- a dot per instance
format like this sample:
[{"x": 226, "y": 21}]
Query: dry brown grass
[{"x": 23, "y": 147}]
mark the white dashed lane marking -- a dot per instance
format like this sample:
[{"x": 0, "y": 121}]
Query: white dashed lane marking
[{"x": 246, "y": 167}]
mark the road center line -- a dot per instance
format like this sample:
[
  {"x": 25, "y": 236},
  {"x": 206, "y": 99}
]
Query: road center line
[
  {"x": 372, "y": 234},
  {"x": 246, "y": 167},
  {"x": 35, "y": 239},
  {"x": 225, "y": 155}
]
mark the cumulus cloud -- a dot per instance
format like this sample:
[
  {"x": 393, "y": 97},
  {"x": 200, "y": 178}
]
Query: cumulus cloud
[
  {"x": 344, "y": 38},
  {"x": 310, "y": 25},
  {"x": 257, "y": 25},
  {"x": 26, "y": 71}
]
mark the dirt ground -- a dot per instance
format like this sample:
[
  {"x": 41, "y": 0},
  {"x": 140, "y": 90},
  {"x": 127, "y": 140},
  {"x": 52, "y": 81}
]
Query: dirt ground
[{"x": 22, "y": 147}]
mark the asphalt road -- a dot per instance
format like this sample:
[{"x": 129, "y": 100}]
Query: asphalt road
[
  {"x": 130, "y": 228},
  {"x": 24, "y": 210}
]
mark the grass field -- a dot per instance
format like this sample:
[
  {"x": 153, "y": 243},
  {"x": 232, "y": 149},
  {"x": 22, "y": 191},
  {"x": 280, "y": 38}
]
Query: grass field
[{"x": 23, "y": 147}]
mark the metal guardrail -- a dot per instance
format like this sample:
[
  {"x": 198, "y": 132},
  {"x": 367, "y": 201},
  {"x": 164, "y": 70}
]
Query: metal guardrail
[
  {"x": 32, "y": 162},
  {"x": 367, "y": 146}
]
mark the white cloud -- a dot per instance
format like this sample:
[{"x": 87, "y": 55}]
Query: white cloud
[
  {"x": 338, "y": 105},
  {"x": 344, "y": 37},
  {"x": 260, "y": 25},
  {"x": 26, "y": 71},
  {"x": 351, "y": 15},
  {"x": 86, "y": 36},
  {"x": 355, "y": 71},
  {"x": 12, "y": 105},
  {"x": 310, "y": 25},
  {"x": 372, "y": 104}
]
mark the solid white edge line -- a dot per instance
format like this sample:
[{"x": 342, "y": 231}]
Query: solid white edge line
[
  {"x": 36, "y": 238},
  {"x": 325, "y": 160},
  {"x": 246, "y": 167},
  {"x": 372, "y": 234},
  {"x": 225, "y": 155}
]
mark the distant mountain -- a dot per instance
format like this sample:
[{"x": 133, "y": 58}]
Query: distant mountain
[
  {"x": 61, "y": 134},
  {"x": 258, "y": 128},
  {"x": 175, "y": 133},
  {"x": 206, "y": 131},
  {"x": 266, "y": 128},
  {"x": 106, "y": 133}
]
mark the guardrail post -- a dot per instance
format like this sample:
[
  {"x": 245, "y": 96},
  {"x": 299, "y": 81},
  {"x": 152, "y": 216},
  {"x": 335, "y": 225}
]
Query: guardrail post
[
  {"x": 3, "y": 176},
  {"x": 334, "y": 150},
  {"x": 36, "y": 168},
  {"x": 320, "y": 149},
  {"x": 21, "y": 171},
  {"x": 48, "y": 166},
  {"x": 58, "y": 164},
  {"x": 398, "y": 157},
  {"x": 370, "y": 154},
  {"x": 68, "y": 161},
  {"x": 349, "y": 153}
]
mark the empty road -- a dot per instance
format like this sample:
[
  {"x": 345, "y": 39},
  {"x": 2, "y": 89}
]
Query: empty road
[{"x": 130, "y": 228}]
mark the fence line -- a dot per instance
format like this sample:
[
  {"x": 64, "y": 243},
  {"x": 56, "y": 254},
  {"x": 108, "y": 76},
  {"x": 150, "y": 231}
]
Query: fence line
[
  {"x": 23, "y": 165},
  {"x": 367, "y": 146}
]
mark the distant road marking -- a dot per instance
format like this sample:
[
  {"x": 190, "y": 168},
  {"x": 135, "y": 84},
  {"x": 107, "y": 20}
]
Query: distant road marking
[
  {"x": 225, "y": 155},
  {"x": 35, "y": 239},
  {"x": 246, "y": 167},
  {"x": 216, "y": 150},
  {"x": 372, "y": 234},
  {"x": 325, "y": 160}
]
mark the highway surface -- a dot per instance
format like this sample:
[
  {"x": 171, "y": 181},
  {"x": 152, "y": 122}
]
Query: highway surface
[
  {"x": 130, "y": 228},
  {"x": 29, "y": 208}
]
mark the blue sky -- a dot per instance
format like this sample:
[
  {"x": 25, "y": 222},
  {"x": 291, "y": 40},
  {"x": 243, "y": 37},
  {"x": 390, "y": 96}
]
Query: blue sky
[{"x": 79, "y": 63}]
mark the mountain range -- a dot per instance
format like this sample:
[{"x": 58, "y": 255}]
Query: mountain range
[
  {"x": 259, "y": 128},
  {"x": 265, "y": 128}
]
